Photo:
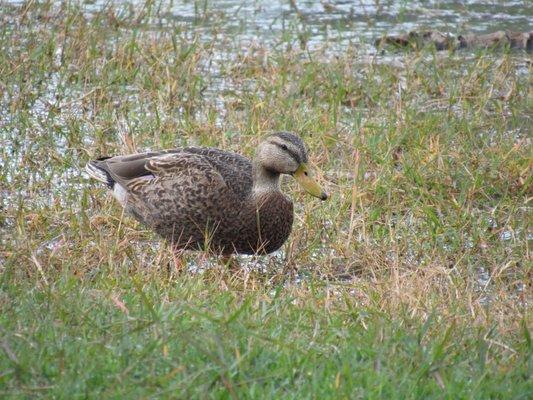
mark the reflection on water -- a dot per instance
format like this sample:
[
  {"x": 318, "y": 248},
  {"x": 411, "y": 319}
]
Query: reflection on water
[{"x": 336, "y": 22}]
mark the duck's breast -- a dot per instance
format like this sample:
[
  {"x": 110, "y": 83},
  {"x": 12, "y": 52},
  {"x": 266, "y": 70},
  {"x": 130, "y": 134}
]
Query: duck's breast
[{"x": 265, "y": 225}]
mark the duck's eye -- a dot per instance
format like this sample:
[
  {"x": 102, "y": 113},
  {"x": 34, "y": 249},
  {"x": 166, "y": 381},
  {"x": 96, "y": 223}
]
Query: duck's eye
[{"x": 284, "y": 147}]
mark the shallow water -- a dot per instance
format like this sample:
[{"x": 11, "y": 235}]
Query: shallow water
[{"x": 336, "y": 22}]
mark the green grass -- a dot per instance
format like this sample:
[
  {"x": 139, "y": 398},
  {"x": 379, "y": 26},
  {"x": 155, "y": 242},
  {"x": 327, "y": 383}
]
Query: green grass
[
  {"x": 189, "y": 338},
  {"x": 412, "y": 281}
]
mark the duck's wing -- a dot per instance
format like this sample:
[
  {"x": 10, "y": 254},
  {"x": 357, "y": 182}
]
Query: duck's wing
[
  {"x": 121, "y": 169},
  {"x": 183, "y": 165},
  {"x": 235, "y": 169},
  {"x": 170, "y": 173}
]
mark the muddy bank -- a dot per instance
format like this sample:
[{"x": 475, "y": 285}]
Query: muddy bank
[{"x": 445, "y": 41}]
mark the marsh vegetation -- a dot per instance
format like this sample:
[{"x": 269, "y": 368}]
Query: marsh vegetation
[{"x": 412, "y": 281}]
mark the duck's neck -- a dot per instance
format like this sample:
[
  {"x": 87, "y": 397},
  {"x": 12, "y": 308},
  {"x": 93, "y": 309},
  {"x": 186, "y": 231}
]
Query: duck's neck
[{"x": 264, "y": 180}]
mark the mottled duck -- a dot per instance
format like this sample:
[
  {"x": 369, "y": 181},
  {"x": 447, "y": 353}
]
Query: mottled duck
[{"x": 210, "y": 199}]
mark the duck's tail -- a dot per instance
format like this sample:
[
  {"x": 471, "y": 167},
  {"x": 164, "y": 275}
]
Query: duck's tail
[{"x": 99, "y": 173}]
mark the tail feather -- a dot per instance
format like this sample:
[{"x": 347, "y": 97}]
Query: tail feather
[{"x": 99, "y": 174}]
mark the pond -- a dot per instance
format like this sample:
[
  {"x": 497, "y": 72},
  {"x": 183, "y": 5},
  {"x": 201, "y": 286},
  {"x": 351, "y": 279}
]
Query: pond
[{"x": 337, "y": 23}]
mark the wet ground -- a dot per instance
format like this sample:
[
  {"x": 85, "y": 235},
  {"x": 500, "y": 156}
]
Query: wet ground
[{"x": 239, "y": 27}]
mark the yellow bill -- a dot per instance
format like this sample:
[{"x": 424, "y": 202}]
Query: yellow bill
[{"x": 305, "y": 179}]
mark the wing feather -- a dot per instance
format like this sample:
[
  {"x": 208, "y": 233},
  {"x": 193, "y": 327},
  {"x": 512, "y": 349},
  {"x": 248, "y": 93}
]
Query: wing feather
[
  {"x": 189, "y": 167},
  {"x": 179, "y": 172}
]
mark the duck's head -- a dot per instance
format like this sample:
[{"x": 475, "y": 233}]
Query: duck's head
[{"x": 285, "y": 153}]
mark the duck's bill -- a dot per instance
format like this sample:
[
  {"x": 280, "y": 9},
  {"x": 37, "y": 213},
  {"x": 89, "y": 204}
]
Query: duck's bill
[{"x": 305, "y": 179}]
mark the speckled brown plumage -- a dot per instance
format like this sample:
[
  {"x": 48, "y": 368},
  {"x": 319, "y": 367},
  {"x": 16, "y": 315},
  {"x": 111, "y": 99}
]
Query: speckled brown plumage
[{"x": 206, "y": 198}]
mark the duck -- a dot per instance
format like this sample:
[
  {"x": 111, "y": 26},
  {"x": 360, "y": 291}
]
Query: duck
[{"x": 200, "y": 198}]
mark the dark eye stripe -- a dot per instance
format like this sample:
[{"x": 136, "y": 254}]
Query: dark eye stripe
[
  {"x": 293, "y": 139},
  {"x": 284, "y": 147}
]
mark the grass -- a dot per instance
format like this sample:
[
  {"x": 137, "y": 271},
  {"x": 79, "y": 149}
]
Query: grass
[{"x": 412, "y": 281}]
